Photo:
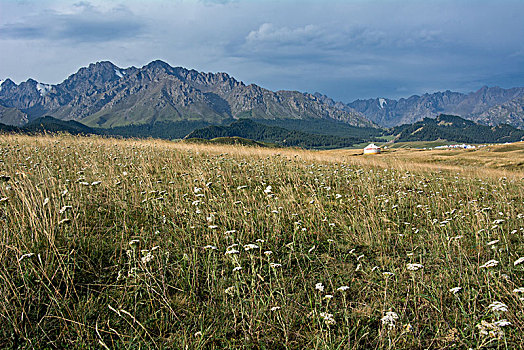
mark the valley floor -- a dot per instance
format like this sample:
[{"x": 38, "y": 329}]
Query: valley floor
[{"x": 110, "y": 243}]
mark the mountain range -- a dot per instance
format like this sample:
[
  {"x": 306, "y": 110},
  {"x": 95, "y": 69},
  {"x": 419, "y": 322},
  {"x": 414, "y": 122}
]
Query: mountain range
[
  {"x": 103, "y": 95},
  {"x": 489, "y": 105}
]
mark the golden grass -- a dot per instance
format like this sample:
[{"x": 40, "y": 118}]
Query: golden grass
[{"x": 153, "y": 244}]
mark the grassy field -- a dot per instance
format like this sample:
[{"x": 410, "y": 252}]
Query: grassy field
[{"x": 152, "y": 244}]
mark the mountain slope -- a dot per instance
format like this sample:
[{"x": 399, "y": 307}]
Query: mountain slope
[
  {"x": 12, "y": 116},
  {"x": 105, "y": 95},
  {"x": 50, "y": 124},
  {"x": 454, "y": 128},
  {"x": 510, "y": 112},
  {"x": 473, "y": 106}
]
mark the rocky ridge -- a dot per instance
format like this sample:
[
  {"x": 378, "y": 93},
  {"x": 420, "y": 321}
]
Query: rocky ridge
[
  {"x": 105, "y": 95},
  {"x": 488, "y": 105}
]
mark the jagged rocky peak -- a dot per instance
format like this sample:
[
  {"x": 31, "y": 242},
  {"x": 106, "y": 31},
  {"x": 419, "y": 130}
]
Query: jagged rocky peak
[
  {"x": 31, "y": 88},
  {"x": 416, "y": 107},
  {"x": 220, "y": 80},
  {"x": 96, "y": 74},
  {"x": 7, "y": 84},
  {"x": 158, "y": 64}
]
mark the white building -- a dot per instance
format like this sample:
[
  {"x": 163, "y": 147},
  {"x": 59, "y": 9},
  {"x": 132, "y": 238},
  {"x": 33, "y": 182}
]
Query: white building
[{"x": 372, "y": 149}]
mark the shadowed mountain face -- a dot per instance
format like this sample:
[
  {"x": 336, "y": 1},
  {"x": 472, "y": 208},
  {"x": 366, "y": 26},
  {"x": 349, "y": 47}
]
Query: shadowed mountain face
[
  {"x": 104, "y": 95},
  {"x": 11, "y": 116},
  {"x": 489, "y": 105}
]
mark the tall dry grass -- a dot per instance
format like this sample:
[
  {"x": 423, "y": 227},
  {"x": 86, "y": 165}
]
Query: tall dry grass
[{"x": 151, "y": 244}]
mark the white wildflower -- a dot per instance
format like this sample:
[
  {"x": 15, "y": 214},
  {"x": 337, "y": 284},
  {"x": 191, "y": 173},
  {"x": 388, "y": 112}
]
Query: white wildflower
[
  {"x": 503, "y": 323},
  {"x": 497, "y": 306},
  {"x": 343, "y": 288},
  {"x": 238, "y": 268},
  {"x": 147, "y": 258},
  {"x": 268, "y": 252},
  {"x": 455, "y": 290},
  {"x": 493, "y": 242},
  {"x": 389, "y": 319},
  {"x": 518, "y": 261},
  {"x": 275, "y": 308},
  {"x": 319, "y": 286},
  {"x": 328, "y": 296},
  {"x": 232, "y": 251},
  {"x": 414, "y": 267},
  {"x": 230, "y": 290},
  {"x": 212, "y": 247},
  {"x": 268, "y": 189},
  {"x": 490, "y": 329},
  {"x": 518, "y": 290},
  {"x": 275, "y": 265},
  {"x": 328, "y": 318},
  {"x": 490, "y": 263},
  {"x": 250, "y": 246}
]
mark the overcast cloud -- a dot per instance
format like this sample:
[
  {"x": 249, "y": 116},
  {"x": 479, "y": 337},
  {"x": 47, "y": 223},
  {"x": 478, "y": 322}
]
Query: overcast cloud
[{"x": 345, "y": 49}]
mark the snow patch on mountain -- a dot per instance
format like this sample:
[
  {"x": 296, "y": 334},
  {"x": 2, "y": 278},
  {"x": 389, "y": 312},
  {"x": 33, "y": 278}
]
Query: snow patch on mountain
[
  {"x": 120, "y": 73},
  {"x": 1, "y": 82},
  {"x": 44, "y": 89},
  {"x": 382, "y": 102}
]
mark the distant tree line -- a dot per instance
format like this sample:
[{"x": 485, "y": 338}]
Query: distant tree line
[
  {"x": 453, "y": 128},
  {"x": 255, "y": 131}
]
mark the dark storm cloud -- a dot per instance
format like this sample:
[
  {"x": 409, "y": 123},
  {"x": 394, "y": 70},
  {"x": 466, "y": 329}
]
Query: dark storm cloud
[
  {"x": 346, "y": 49},
  {"x": 86, "y": 24}
]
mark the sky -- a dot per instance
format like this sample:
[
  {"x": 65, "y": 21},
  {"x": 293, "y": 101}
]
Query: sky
[{"x": 345, "y": 49}]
